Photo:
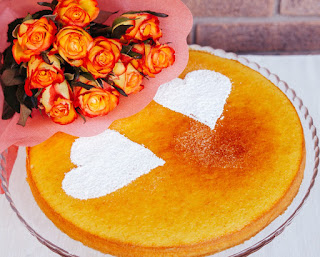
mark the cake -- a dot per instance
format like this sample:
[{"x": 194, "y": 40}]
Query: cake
[{"x": 210, "y": 186}]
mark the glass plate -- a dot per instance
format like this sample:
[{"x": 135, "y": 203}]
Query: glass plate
[{"x": 24, "y": 205}]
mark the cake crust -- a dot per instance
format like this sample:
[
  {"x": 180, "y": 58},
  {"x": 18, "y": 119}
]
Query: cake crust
[{"x": 249, "y": 132}]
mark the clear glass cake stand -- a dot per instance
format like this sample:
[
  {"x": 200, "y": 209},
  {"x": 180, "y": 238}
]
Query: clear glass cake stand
[{"x": 28, "y": 212}]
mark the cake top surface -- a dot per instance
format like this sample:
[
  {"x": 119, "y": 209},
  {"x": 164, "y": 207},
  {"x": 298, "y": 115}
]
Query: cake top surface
[{"x": 224, "y": 178}]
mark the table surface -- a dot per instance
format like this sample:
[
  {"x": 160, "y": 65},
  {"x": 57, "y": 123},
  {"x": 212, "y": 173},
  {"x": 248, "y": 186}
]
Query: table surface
[{"x": 301, "y": 238}]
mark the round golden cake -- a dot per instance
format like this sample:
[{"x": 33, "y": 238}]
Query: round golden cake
[{"x": 217, "y": 188}]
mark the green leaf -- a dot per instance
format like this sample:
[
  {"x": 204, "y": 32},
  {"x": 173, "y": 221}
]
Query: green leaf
[
  {"x": 46, "y": 58},
  {"x": 21, "y": 94},
  {"x": 88, "y": 76},
  {"x": 100, "y": 82},
  {"x": 11, "y": 26},
  {"x": 8, "y": 112},
  {"x": 126, "y": 49},
  {"x": 69, "y": 76},
  {"x": 135, "y": 55},
  {"x": 25, "y": 112},
  {"x": 39, "y": 14},
  {"x": 120, "y": 30},
  {"x": 15, "y": 31},
  {"x": 46, "y": 4},
  {"x": 103, "y": 16},
  {"x": 83, "y": 69},
  {"x": 1, "y": 62},
  {"x": 9, "y": 77},
  {"x": 107, "y": 80},
  {"x": 10, "y": 97},
  {"x": 28, "y": 17},
  {"x": 161, "y": 15},
  {"x": 149, "y": 42},
  {"x": 23, "y": 70},
  {"x": 81, "y": 84},
  {"x": 60, "y": 58},
  {"x": 8, "y": 60},
  {"x": 143, "y": 75},
  {"x": 38, "y": 93},
  {"x": 41, "y": 113},
  {"x": 50, "y": 17},
  {"x": 24, "y": 65},
  {"x": 120, "y": 90},
  {"x": 77, "y": 73},
  {"x": 100, "y": 30},
  {"x": 78, "y": 110},
  {"x": 120, "y": 20},
  {"x": 33, "y": 101},
  {"x": 54, "y": 4}
]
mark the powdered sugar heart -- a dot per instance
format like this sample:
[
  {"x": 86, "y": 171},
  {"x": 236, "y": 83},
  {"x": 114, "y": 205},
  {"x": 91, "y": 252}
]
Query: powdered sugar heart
[
  {"x": 201, "y": 95},
  {"x": 106, "y": 163}
]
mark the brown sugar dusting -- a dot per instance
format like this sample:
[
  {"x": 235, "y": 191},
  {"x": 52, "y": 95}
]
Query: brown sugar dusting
[{"x": 234, "y": 143}]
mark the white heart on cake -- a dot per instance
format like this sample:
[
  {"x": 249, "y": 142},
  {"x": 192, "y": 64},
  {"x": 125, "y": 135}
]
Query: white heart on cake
[
  {"x": 106, "y": 163},
  {"x": 110, "y": 161},
  {"x": 201, "y": 95}
]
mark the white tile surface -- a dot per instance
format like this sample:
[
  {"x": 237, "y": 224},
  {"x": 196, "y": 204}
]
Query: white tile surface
[{"x": 300, "y": 239}]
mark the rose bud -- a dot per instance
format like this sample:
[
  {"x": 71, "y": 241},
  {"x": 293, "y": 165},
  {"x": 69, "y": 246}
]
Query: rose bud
[
  {"x": 144, "y": 26},
  {"x": 95, "y": 101},
  {"x": 155, "y": 58},
  {"x": 76, "y": 12},
  {"x": 103, "y": 56},
  {"x": 127, "y": 78},
  {"x": 57, "y": 103},
  {"x": 73, "y": 43},
  {"x": 41, "y": 74},
  {"x": 33, "y": 37}
]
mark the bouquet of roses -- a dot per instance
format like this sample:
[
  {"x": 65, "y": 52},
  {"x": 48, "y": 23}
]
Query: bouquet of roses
[{"x": 67, "y": 63}]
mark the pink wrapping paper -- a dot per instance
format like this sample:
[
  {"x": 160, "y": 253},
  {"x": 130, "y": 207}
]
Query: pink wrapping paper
[{"x": 175, "y": 28}]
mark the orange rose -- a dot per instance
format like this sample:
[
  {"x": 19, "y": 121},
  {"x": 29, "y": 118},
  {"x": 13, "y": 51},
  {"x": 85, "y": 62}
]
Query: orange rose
[
  {"x": 155, "y": 58},
  {"x": 96, "y": 101},
  {"x": 62, "y": 111},
  {"x": 57, "y": 103},
  {"x": 40, "y": 74},
  {"x": 73, "y": 43},
  {"x": 76, "y": 12},
  {"x": 144, "y": 26},
  {"x": 102, "y": 56},
  {"x": 127, "y": 78},
  {"x": 34, "y": 36}
]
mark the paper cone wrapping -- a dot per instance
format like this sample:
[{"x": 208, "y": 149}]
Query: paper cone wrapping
[{"x": 175, "y": 27}]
